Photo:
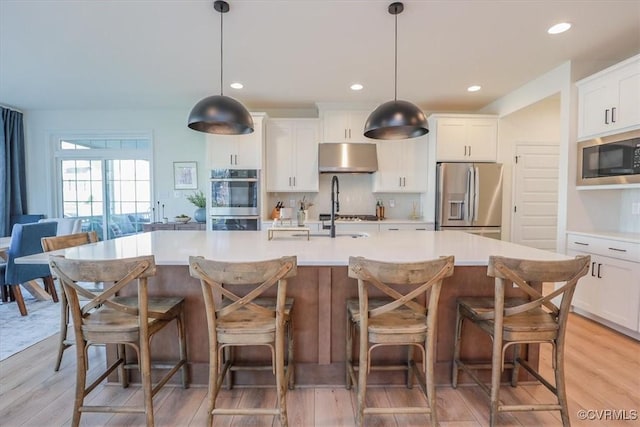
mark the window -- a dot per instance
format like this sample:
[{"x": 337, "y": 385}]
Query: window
[{"x": 106, "y": 181}]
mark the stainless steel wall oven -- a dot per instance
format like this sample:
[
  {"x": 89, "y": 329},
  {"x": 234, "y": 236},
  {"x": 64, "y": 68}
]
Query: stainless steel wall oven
[{"x": 235, "y": 199}]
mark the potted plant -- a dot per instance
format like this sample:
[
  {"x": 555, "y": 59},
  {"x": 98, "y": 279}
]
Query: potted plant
[{"x": 200, "y": 202}]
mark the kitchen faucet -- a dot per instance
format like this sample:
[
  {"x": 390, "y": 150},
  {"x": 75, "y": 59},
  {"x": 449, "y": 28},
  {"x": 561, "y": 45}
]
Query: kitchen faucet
[{"x": 335, "y": 204}]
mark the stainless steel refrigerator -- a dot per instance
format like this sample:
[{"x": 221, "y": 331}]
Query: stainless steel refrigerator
[{"x": 469, "y": 198}]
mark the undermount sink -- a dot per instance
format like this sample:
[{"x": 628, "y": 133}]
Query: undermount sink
[{"x": 352, "y": 235}]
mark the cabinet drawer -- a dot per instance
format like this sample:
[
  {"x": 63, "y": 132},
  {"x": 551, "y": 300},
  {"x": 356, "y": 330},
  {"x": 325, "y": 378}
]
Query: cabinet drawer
[{"x": 612, "y": 248}]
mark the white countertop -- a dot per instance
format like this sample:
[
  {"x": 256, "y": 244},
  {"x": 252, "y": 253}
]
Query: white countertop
[
  {"x": 175, "y": 247},
  {"x": 612, "y": 235}
]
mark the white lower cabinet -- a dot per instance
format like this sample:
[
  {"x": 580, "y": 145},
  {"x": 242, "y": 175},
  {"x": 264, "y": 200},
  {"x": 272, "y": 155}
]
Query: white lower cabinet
[{"x": 611, "y": 288}]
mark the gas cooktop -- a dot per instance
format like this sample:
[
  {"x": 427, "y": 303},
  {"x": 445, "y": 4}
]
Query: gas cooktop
[{"x": 348, "y": 217}]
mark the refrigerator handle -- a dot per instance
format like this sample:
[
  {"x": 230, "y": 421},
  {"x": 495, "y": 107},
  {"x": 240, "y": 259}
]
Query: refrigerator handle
[
  {"x": 440, "y": 200},
  {"x": 469, "y": 195},
  {"x": 476, "y": 196}
]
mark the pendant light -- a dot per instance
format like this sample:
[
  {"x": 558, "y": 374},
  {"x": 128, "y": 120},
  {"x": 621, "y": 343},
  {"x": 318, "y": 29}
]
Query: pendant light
[
  {"x": 396, "y": 119},
  {"x": 220, "y": 114}
]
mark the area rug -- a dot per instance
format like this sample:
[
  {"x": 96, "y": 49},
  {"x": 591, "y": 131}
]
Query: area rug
[{"x": 19, "y": 332}]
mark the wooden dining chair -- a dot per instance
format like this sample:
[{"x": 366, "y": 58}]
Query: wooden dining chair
[
  {"x": 122, "y": 321},
  {"x": 250, "y": 320},
  {"x": 534, "y": 319},
  {"x": 62, "y": 242},
  {"x": 396, "y": 320}
]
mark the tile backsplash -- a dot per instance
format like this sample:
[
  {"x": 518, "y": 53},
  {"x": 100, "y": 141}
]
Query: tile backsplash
[{"x": 356, "y": 197}]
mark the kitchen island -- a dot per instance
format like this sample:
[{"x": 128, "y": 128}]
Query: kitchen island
[{"x": 320, "y": 288}]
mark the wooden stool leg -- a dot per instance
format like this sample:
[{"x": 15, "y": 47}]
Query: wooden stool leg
[
  {"x": 214, "y": 382},
  {"x": 410, "y": 367},
  {"x": 456, "y": 349},
  {"x": 496, "y": 371},
  {"x": 363, "y": 363},
  {"x": 516, "y": 365},
  {"x": 182, "y": 335},
  {"x": 228, "y": 358},
  {"x": 291, "y": 361},
  {"x": 17, "y": 294},
  {"x": 122, "y": 355},
  {"x": 281, "y": 385},
  {"x": 558, "y": 353},
  {"x": 145, "y": 374},
  {"x": 349, "y": 351},
  {"x": 430, "y": 377},
  {"x": 81, "y": 378},
  {"x": 64, "y": 326}
]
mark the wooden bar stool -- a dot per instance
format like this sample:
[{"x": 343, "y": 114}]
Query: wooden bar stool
[
  {"x": 249, "y": 320},
  {"x": 516, "y": 321},
  {"x": 130, "y": 321},
  {"x": 395, "y": 321},
  {"x": 62, "y": 242}
]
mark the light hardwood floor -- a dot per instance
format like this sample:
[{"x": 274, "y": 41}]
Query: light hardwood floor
[{"x": 603, "y": 373}]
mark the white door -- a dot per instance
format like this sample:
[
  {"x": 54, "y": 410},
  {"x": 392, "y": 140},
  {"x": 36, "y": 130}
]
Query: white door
[{"x": 535, "y": 196}]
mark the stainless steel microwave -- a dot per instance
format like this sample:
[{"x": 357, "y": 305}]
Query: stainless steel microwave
[{"x": 613, "y": 159}]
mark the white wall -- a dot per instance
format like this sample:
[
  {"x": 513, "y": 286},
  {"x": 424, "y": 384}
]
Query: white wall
[
  {"x": 538, "y": 123},
  {"x": 172, "y": 141},
  {"x": 555, "y": 82}
]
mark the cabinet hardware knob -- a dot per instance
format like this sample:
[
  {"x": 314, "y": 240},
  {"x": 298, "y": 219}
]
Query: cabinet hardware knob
[
  {"x": 599, "y": 265},
  {"x": 593, "y": 269},
  {"x": 618, "y": 250},
  {"x": 580, "y": 243},
  {"x": 613, "y": 114},
  {"x": 606, "y": 116}
]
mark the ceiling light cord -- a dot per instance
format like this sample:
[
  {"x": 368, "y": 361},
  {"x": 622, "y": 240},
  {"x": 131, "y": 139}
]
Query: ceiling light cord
[
  {"x": 395, "y": 78},
  {"x": 221, "y": 55},
  {"x": 219, "y": 114},
  {"x": 396, "y": 119}
]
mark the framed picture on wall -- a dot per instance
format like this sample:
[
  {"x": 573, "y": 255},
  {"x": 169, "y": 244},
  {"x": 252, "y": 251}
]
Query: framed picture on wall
[{"x": 185, "y": 175}]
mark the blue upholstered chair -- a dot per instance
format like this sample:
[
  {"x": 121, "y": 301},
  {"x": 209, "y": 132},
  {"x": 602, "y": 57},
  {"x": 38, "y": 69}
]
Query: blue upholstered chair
[
  {"x": 25, "y": 219},
  {"x": 25, "y": 240}
]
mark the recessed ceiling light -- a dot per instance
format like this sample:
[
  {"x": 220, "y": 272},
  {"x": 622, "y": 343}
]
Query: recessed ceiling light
[
  {"x": 474, "y": 88},
  {"x": 356, "y": 86},
  {"x": 236, "y": 85},
  {"x": 559, "y": 28}
]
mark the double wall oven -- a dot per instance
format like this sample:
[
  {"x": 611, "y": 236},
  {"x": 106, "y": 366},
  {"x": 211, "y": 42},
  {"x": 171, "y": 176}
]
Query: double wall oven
[{"x": 235, "y": 199}]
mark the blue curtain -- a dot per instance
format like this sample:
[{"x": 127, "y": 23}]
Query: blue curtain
[{"x": 13, "y": 192}]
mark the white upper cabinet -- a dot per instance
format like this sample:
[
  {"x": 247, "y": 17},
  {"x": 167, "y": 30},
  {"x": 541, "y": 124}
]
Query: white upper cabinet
[
  {"x": 237, "y": 151},
  {"x": 464, "y": 137},
  {"x": 344, "y": 125},
  {"x": 609, "y": 101},
  {"x": 292, "y": 155},
  {"x": 401, "y": 166}
]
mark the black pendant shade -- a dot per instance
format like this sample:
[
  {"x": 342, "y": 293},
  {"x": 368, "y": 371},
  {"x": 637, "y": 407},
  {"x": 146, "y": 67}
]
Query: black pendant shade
[
  {"x": 396, "y": 119},
  {"x": 220, "y": 114}
]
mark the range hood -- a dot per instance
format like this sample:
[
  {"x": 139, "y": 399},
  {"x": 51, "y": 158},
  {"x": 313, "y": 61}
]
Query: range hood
[{"x": 347, "y": 158}]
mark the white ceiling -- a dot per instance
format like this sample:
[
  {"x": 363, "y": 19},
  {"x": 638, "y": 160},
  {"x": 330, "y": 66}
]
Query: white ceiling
[{"x": 92, "y": 54}]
